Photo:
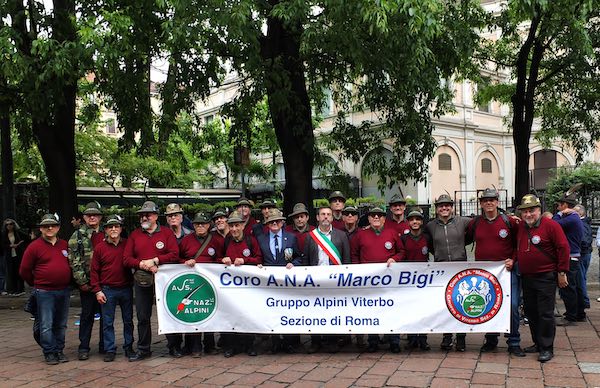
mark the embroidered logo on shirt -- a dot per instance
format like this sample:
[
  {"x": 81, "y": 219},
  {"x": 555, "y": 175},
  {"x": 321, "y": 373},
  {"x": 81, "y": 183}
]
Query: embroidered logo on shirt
[
  {"x": 246, "y": 252},
  {"x": 536, "y": 239},
  {"x": 424, "y": 250},
  {"x": 503, "y": 233},
  {"x": 387, "y": 245},
  {"x": 160, "y": 245},
  {"x": 211, "y": 251}
]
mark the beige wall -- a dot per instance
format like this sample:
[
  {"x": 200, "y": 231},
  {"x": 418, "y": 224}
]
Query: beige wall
[{"x": 442, "y": 181}]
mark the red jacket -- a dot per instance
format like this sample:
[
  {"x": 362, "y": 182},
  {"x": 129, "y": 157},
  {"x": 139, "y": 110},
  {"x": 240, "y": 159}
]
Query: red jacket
[
  {"x": 415, "y": 247},
  {"x": 401, "y": 227},
  {"x": 45, "y": 266},
  {"x": 542, "y": 248},
  {"x": 367, "y": 246},
  {"x": 142, "y": 246},
  {"x": 235, "y": 249},
  {"x": 300, "y": 236},
  {"x": 191, "y": 244},
  {"x": 494, "y": 240},
  {"x": 108, "y": 268}
]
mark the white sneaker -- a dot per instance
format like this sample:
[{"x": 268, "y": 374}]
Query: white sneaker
[{"x": 598, "y": 300}]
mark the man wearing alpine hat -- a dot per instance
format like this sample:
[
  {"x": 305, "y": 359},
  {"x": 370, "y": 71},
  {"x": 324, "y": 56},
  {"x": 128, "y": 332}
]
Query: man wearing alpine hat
[
  {"x": 244, "y": 209},
  {"x": 397, "y": 219},
  {"x": 299, "y": 227},
  {"x": 148, "y": 247},
  {"x": 46, "y": 268},
  {"x": 542, "y": 254},
  {"x": 337, "y": 201},
  {"x": 261, "y": 228},
  {"x": 377, "y": 244}
]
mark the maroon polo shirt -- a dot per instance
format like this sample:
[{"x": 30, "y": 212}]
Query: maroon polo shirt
[
  {"x": 368, "y": 246},
  {"x": 108, "y": 268},
  {"x": 97, "y": 238},
  {"x": 494, "y": 240},
  {"x": 553, "y": 252},
  {"x": 338, "y": 224},
  {"x": 300, "y": 236},
  {"x": 415, "y": 247},
  {"x": 237, "y": 249},
  {"x": 191, "y": 243},
  {"x": 401, "y": 227},
  {"x": 45, "y": 266},
  {"x": 142, "y": 245},
  {"x": 248, "y": 228}
]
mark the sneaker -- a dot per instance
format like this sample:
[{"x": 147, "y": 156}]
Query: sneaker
[
  {"x": 488, "y": 347},
  {"x": 598, "y": 300},
  {"x": 61, "y": 357},
  {"x": 460, "y": 344},
  {"x": 77, "y": 322},
  {"x": 51, "y": 359},
  {"x": 97, "y": 317},
  {"x": 83, "y": 356},
  {"x": 109, "y": 357},
  {"x": 565, "y": 322},
  {"x": 446, "y": 342}
]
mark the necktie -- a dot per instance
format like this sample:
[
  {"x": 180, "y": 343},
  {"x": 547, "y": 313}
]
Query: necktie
[{"x": 276, "y": 245}]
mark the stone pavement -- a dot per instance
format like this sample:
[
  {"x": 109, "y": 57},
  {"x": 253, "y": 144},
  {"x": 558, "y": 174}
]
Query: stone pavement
[{"x": 576, "y": 363}]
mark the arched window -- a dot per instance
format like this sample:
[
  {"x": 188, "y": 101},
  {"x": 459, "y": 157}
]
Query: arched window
[
  {"x": 444, "y": 162},
  {"x": 486, "y": 165}
]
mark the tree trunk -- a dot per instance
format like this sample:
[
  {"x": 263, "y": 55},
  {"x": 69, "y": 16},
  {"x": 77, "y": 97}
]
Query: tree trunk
[
  {"x": 290, "y": 109},
  {"x": 8, "y": 187}
]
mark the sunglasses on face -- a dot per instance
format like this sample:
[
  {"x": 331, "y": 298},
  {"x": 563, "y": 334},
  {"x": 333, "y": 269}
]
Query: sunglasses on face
[{"x": 376, "y": 215}]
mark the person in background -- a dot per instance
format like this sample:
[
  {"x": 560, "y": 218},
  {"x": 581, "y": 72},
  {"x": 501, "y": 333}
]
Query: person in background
[
  {"x": 299, "y": 227},
  {"x": 174, "y": 215},
  {"x": 586, "y": 251},
  {"x": 14, "y": 242},
  {"x": 337, "y": 202}
]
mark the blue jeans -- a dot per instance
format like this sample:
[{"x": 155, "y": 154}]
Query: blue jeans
[
  {"x": 584, "y": 265},
  {"x": 513, "y": 339},
  {"x": 52, "y": 314},
  {"x": 122, "y": 297}
]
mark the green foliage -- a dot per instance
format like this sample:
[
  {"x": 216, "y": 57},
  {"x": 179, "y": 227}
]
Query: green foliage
[{"x": 587, "y": 173}]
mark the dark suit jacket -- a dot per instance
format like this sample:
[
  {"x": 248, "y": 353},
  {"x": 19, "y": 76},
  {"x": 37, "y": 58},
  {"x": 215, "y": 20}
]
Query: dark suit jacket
[
  {"x": 288, "y": 242},
  {"x": 338, "y": 238}
]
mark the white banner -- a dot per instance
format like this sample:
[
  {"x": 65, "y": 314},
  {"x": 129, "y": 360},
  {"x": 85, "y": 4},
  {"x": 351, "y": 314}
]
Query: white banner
[{"x": 366, "y": 298}]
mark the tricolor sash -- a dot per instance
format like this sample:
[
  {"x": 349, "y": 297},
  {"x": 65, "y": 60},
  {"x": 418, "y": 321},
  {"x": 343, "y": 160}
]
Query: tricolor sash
[{"x": 327, "y": 246}]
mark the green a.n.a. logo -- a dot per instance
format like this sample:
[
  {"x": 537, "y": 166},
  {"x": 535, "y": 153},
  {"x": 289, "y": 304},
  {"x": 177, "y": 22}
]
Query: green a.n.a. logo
[{"x": 190, "y": 298}]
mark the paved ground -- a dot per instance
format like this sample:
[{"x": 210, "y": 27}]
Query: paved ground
[{"x": 576, "y": 362}]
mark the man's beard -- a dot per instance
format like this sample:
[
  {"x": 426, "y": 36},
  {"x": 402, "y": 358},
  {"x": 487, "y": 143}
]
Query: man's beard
[{"x": 146, "y": 225}]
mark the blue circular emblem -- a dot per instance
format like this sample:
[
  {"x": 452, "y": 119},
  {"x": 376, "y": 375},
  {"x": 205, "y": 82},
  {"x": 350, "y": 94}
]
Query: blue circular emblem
[{"x": 474, "y": 296}]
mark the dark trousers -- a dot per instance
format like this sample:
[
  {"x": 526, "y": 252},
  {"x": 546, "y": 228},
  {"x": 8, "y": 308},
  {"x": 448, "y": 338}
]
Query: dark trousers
[
  {"x": 539, "y": 299},
  {"x": 122, "y": 297},
  {"x": 237, "y": 342},
  {"x": 14, "y": 283},
  {"x": 89, "y": 308},
  {"x": 393, "y": 339},
  {"x": 144, "y": 298},
  {"x": 572, "y": 295}
]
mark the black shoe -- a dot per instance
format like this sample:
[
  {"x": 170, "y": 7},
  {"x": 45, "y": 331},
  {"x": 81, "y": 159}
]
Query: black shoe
[
  {"x": 109, "y": 357},
  {"x": 488, "y": 347},
  {"x": 582, "y": 319},
  {"x": 446, "y": 343},
  {"x": 139, "y": 356},
  {"x": 228, "y": 353},
  {"x": 289, "y": 349},
  {"x": 313, "y": 348},
  {"x": 101, "y": 351},
  {"x": 372, "y": 348},
  {"x": 565, "y": 322},
  {"x": 395, "y": 348},
  {"x": 82, "y": 356},
  {"x": 460, "y": 344},
  {"x": 516, "y": 350},
  {"x": 128, "y": 352},
  {"x": 175, "y": 353},
  {"x": 210, "y": 351},
  {"x": 423, "y": 345},
  {"x": 531, "y": 349},
  {"x": 61, "y": 357},
  {"x": 545, "y": 355},
  {"x": 51, "y": 359},
  {"x": 252, "y": 351}
]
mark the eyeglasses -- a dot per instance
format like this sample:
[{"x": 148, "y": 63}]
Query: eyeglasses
[
  {"x": 273, "y": 222},
  {"x": 349, "y": 214},
  {"x": 376, "y": 215}
]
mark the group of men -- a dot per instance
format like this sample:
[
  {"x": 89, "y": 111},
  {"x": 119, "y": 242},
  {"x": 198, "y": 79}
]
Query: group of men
[{"x": 108, "y": 268}]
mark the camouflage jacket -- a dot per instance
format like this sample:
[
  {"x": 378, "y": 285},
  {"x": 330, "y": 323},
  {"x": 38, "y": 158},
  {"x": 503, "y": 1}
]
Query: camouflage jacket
[{"x": 80, "y": 254}]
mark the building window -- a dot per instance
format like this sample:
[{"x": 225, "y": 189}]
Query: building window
[
  {"x": 486, "y": 165},
  {"x": 208, "y": 119},
  {"x": 444, "y": 162},
  {"x": 111, "y": 127}
]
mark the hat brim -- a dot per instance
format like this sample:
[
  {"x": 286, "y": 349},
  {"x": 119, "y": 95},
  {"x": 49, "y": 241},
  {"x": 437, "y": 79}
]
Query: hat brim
[
  {"x": 444, "y": 202},
  {"x": 112, "y": 223},
  {"x": 48, "y": 223},
  {"x": 235, "y": 221},
  {"x": 92, "y": 212},
  {"x": 273, "y": 219},
  {"x": 147, "y": 211},
  {"x": 177, "y": 212},
  {"x": 522, "y": 207},
  {"x": 298, "y": 212}
]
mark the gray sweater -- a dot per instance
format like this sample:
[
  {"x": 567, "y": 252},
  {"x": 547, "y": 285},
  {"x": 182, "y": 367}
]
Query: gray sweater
[{"x": 448, "y": 238}]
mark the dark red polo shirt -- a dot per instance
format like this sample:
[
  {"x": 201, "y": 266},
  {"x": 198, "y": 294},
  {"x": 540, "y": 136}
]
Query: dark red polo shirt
[
  {"x": 108, "y": 268},
  {"x": 97, "y": 238},
  {"x": 142, "y": 246},
  {"x": 401, "y": 227},
  {"x": 553, "y": 252},
  {"x": 300, "y": 236},
  {"x": 415, "y": 247},
  {"x": 367, "y": 246},
  {"x": 237, "y": 249},
  {"x": 213, "y": 252},
  {"x": 494, "y": 240},
  {"x": 248, "y": 228},
  {"x": 45, "y": 266},
  {"x": 338, "y": 224}
]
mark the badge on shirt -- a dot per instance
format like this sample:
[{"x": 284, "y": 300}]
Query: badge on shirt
[
  {"x": 246, "y": 252},
  {"x": 211, "y": 251},
  {"x": 406, "y": 231},
  {"x": 65, "y": 253},
  {"x": 288, "y": 253},
  {"x": 160, "y": 245},
  {"x": 388, "y": 245},
  {"x": 536, "y": 239},
  {"x": 503, "y": 233},
  {"x": 424, "y": 250}
]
